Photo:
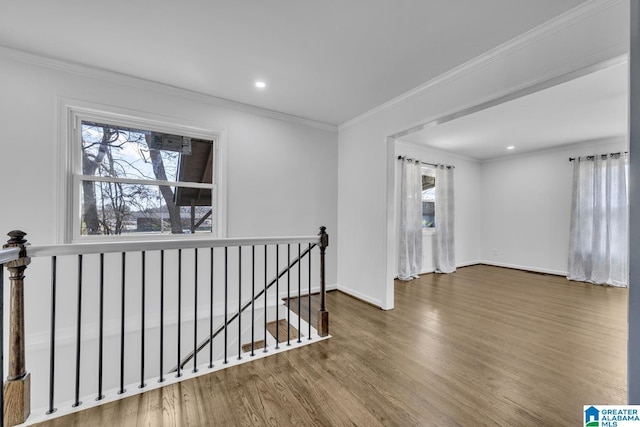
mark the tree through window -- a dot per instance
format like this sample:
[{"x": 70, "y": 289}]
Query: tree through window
[{"x": 136, "y": 181}]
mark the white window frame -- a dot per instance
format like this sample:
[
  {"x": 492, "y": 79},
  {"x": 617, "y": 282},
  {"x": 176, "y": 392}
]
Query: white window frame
[{"x": 72, "y": 114}]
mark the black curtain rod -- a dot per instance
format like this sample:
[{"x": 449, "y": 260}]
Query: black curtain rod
[
  {"x": 571, "y": 159},
  {"x": 424, "y": 163}
]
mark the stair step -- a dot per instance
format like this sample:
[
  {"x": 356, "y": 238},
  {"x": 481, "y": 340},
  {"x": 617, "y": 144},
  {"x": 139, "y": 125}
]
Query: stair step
[
  {"x": 271, "y": 327},
  {"x": 281, "y": 326},
  {"x": 292, "y": 304},
  {"x": 256, "y": 345}
]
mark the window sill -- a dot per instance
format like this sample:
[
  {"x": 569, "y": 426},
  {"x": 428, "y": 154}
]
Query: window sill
[
  {"x": 430, "y": 231},
  {"x": 140, "y": 238}
]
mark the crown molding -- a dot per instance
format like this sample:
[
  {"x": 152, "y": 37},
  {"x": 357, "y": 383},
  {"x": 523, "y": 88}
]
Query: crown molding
[
  {"x": 139, "y": 83},
  {"x": 556, "y": 24},
  {"x": 541, "y": 83}
]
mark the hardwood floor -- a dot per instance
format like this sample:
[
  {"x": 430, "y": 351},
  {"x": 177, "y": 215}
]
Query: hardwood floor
[{"x": 482, "y": 346}]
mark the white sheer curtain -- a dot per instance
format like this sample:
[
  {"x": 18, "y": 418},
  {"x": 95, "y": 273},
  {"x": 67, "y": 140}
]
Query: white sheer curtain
[
  {"x": 410, "y": 250},
  {"x": 445, "y": 216},
  {"x": 598, "y": 246}
]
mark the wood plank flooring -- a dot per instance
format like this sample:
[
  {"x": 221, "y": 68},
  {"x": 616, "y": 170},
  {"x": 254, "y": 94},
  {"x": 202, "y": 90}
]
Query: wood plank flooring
[{"x": 482, "y": 346}]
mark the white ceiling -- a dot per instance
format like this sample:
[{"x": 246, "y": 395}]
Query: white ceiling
[
  {"x": 327, "y": 60},
  {"x": 591, "y": 107}
]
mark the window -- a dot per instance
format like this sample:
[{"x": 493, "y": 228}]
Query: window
[
  {"x": 428, "y": 197},
  {"x": 135, "y": 179}
]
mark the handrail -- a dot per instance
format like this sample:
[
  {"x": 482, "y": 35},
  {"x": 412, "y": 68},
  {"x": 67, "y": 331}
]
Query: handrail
[
  {"x": 246, "y": 305},
  {"x": 153, "y": 245},
  {"x": 9, "y": 254},
  {"x": 16, "y": 256}
]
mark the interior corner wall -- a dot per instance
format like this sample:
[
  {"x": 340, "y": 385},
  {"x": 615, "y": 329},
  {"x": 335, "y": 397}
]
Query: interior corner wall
[
  {"x": 281, "y": 175},
  {"x": 526, "y": 206},
  {"x": 364, "y": 218}
]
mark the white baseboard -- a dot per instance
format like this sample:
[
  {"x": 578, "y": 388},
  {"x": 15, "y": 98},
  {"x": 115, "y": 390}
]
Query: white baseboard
[
  {"x": 524, "y": 267},
  {"x": 468, "y": 263},
  {"x": 503, "y": 264},
  {"x": 303, "y": 292},
  {"x": 359, "y": 295},
  {"x": 462, "y": 264}
]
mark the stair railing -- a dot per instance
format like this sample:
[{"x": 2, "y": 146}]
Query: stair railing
[
  {"x": 248, "y": 304},
  {"x": 101, "y": 274}
]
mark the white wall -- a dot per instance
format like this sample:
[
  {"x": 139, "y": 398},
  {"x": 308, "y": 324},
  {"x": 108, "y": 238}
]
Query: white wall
[
  {"x": 467, "y": 195},
  {"x": 282, "y": 176},
  {"x": 365, "y": 205},
  {"x": 526, "y": 206},
  {"x": 281, "y": 181}
]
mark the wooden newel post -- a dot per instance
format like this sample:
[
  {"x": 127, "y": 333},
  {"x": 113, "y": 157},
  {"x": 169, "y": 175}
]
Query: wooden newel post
[
  {"x": 17, "y": 387},
  {"x": 323, "y": 314}
]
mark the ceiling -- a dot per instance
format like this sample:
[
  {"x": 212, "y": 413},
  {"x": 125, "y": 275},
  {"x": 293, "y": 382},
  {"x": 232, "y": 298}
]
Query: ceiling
[
  {"x": 588, "y": 108},
  {"x": 328, "y": 61}
]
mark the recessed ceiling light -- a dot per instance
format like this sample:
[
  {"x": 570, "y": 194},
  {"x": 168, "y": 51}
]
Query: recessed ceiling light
[
  {"x": 261, "y": 84},
  {"x": 511, "y": 147}
]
